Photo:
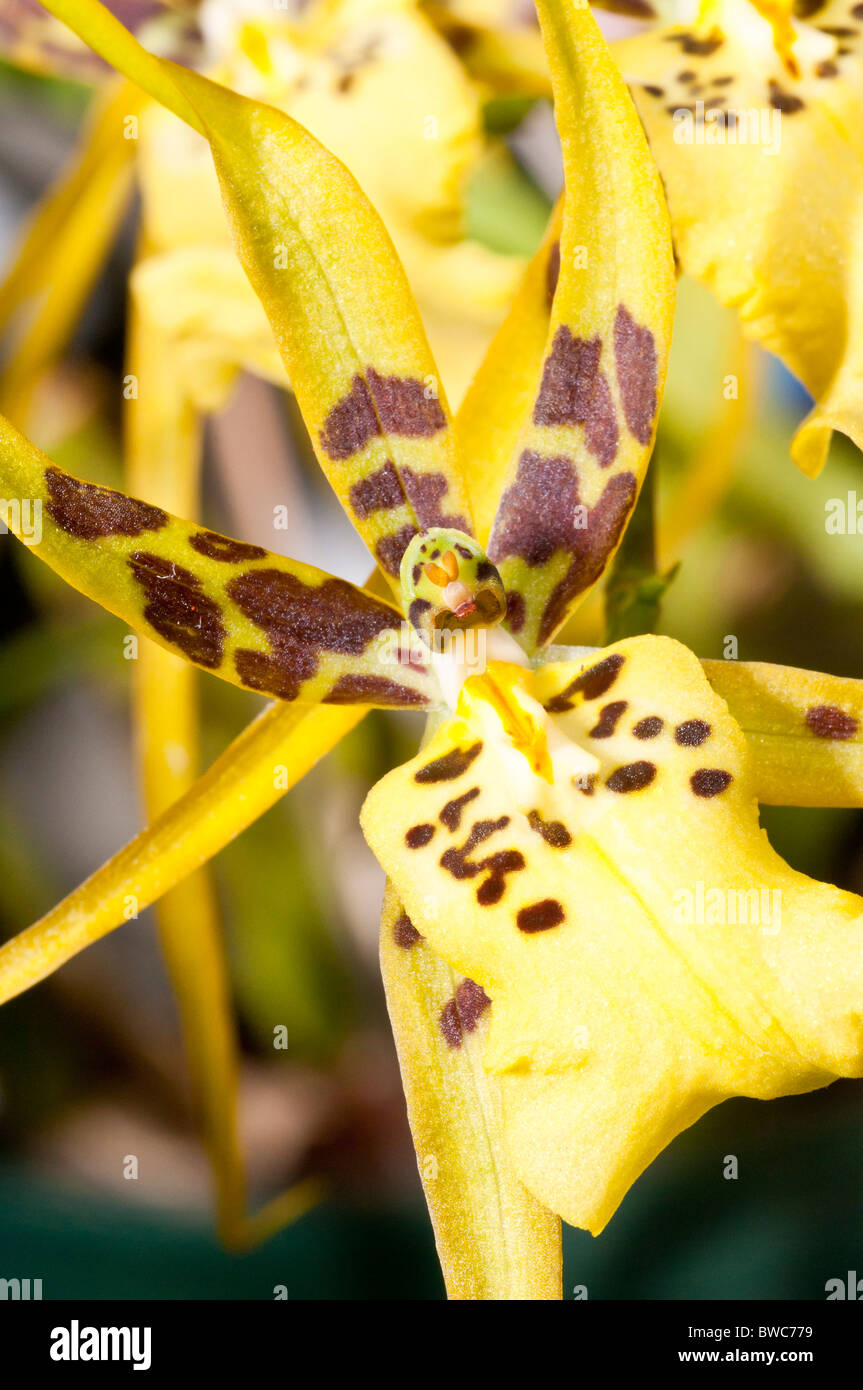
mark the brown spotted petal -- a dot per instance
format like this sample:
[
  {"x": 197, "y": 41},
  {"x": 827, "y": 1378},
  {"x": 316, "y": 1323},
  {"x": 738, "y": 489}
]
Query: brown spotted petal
[
  {"x": 760, "y": 153},
  {"x": 582, "y": 452},
  {"x": 254, "y": 618},
  {"x": 606, "y": 883},
  {"x": 494, "y": 1239}
]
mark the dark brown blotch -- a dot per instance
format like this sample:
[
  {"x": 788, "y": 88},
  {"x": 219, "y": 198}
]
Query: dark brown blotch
[
  {"x": 379, "y": 492},
  {"x": 405, "y": 933},
  {"x": 552, "y": 273},
  {"x": 696, "y": 45},
  {"x": 710, "y": 781},
  {"x": 609, "y": 716},
  {"x": 632, "y": 777},
  {"x": 450, "y": 816},
  {"x": 223, "y": 548},
  {"x": 784, "y": 101},
  {"x": 554, "y": 832},
  {"x": 459, "y": 861},
  {"x": 541, "y": 916},
  {"x": 462, "y": 1013},
  {"x": 366, "y": 688},
  {"x": 637, "y": 373},
  {"x": 590, "y": 684},
  {"x": 450, "y": 765},
  {"x": 692, "y": 733},
  {"x": 179, "y": 610},
  {"x": 419, "y": 835},
  {"x": 828, "y": 721},
  {"x": 648, "y": 727},
  {"x": 90, "y": 512},
  {"x": 302, "y": 620}
]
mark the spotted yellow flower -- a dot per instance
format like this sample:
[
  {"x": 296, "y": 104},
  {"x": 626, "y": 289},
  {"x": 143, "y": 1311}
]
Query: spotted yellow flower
[{"x": 566, "y": 993}]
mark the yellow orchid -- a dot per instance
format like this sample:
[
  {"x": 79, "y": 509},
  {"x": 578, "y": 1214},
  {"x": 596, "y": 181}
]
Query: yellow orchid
[
  {"x": 754, "y": 116},
  {"x": 573, "y": 963},
  {"x": 371, "y": 78}
]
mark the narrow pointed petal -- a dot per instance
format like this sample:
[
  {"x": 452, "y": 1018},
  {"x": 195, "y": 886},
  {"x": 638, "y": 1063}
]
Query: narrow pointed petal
[
  {"x": 761, "y": 155},
  {"x": 591, "y": 857},
  {"x": 254, "y": 618},
  {"x": 804, "y": 730},
  {"x": 493, "y": 1239},
  {"x": 322, "y": 264},
  {"x": 501, "y": 394},
  {"x": 583, "y": 452},
  {"x": 268, "y": 758}
]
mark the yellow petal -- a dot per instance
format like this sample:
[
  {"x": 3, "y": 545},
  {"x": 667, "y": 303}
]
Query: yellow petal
[
  {"x": 804, "y": 730},
  {"x": 591, "y": 856},
  {"x": 581, "y": 457},
  {"x": 501, "y": 394},
  {"x": 493, "y": 1239},
  {"x": 268, "y": 758},
  {"x": 766, "y": 210},
  {"x": 251, "y": 617}
]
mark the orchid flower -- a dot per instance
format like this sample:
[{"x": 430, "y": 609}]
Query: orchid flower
[
  {"x": 371, "y": 78},
  {"x": 561, "y": 1012}
]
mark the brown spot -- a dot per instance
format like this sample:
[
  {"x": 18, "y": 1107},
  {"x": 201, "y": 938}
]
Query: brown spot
[
  {"x": 648, "y": 727},
  {"x": 516, "y": 610},
  {"x": 688, "y": 75},
  {"x": 472, "y": 1002},
  {"x": 450, "y": 1024},
  {"x": 345, "y": 82},
  {"x": 351, "y": 423},
  {"x": 418, "y": 836},
  {"x": 696, "y": 46},
  {"x": 585, "y": 782},
  {"x": 449, "y": 766},
  {"x": 379, "y": 492},
  {"x": 540, "y": 916},
  {"x": 632, "y": 777},
  {"x": 217, "y": 547},
  {"x": 637, "y": 373},
  {"x": 595, "y": 544},
  {"x": 552, "y": 273},
  {"x": 451, "y": 813},
  {"x": 828, "y": 721},
  {"x": 601, "y": 433},
  {"x": 462, "y": 1013},
  {"x": 404, "y": 406},
  {"x": 590, "y": 684},
  {"x": 417, "y": 611},
  {"x": 575, "y": 392},
  {"x": 692, "y": 733},
  {"x": 458, "y": 861},
  {"x": 390, "y": 549},
  {"x": 723, "y": 81},
  {"x": 826, "y": 68},
  {"x": 89, "y": 512},
  {"x": 784, "y": 101},
  {"x": 857, "y": 11},
  {"x": 608, "y": 718},
  {"x": 366, "y": 688},
  {"x": 554, "y": 832},
  {"x": 302, "y": 620},
  {"x": 425, "y": 492},
  {"x": 710, "y": 781},
  {"x": 179, "y": 610},
  {"x": 652, "y": 90},
  {"x": 838, "y": 31},
  {"x": 405, "y": 933}
]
